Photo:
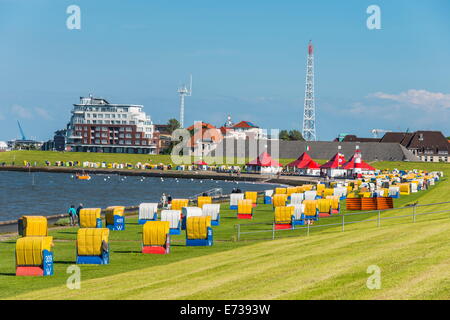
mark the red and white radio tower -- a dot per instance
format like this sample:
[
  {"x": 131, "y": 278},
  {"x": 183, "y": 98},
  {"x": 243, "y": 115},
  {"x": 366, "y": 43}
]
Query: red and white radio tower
[{"x": 309, "y": 113}]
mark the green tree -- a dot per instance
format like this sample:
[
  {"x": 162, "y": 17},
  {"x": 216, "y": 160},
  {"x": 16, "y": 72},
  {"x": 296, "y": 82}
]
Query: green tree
[
  {"x": 295, "y": 135},
  {"x": 283, "y": 135},
  {"x": 173, "y": 125}
]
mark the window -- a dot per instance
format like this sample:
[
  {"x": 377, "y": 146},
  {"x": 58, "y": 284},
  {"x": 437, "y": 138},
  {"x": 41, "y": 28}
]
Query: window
[
  {"x": 104, "y": 141},
  {"x": 138, "y": 141},
  {"x": 128, "y": 142},
  {"x": 120, "y": 141},
  {"x": 107, "y": 115},
  {"x": 121, "y": 135},
  {"x": 128, "y": 135},
  {"x": 137, "y": 136},
  {"x": 97, "y": 141},
  {"x": 94, "y": 115}
]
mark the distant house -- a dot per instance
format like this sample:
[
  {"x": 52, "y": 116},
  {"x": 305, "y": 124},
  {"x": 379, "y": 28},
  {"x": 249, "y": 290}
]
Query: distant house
[
  {"x": 431, "y": 146},
  {"x": 243, "y": 130},
  {"x": 204, "y": 138},
  {"x": 162, "y": 137},
  {"x": 58, "y": 143},
  {"x": 207, "y": 139},
  {"x": 354, "y": 138},
  {"x": 3, "y": 146}
]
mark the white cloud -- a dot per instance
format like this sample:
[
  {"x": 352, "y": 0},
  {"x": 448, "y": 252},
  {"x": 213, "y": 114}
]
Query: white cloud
[
  {"x": 418, "y": 98},
  {"x": 43, "y": 113},
  {"x": 21, "y": 112},
  {"x": 29, "y": 113}
]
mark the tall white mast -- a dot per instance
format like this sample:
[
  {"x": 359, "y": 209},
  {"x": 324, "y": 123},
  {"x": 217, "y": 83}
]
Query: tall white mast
[{"x": 184, "y": 92}]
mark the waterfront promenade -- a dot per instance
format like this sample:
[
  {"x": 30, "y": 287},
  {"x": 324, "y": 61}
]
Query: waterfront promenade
[{"x": 180, "y": 174}]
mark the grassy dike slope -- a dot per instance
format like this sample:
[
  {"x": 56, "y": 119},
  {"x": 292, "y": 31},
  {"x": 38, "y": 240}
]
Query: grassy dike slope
[
  {"x": 414, "y": 261},
  {"x": 413, "y": 258}
]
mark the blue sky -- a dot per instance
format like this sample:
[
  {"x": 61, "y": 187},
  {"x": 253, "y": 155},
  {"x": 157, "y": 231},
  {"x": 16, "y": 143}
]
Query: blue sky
[{"x": 248, "y": 59}]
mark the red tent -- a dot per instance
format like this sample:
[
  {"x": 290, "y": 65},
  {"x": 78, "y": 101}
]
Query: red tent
[
  {"x": 200, "y": 163},
  {"x": 304, "y": 162},
  {"x": 335, "y": 163},
  {"x": 264, "y": 160},
  {"x": 351, "y": 164},
  {"x": 364, "y": 165}
]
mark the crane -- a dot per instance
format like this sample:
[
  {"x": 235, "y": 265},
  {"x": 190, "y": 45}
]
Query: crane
[{"x": 21, "y": 131}]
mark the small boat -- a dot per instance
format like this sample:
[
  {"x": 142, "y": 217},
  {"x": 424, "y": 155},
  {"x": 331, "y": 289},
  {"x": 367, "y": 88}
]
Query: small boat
[{"x": 83, "y": 176}]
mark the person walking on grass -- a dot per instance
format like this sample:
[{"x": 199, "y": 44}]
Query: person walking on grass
[{"x": 72, "y": 215}]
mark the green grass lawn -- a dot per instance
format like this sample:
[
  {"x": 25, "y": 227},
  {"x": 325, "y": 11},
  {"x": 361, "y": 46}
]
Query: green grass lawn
[
  {"x": 414, "y": 259},
  {"x": 41, "y": 156}
]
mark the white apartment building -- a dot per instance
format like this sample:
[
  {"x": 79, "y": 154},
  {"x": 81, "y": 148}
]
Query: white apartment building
[{"x": 99, "y": 126}]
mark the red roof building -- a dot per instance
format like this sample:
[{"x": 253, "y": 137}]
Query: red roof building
[{"x": 244, "y": 124}]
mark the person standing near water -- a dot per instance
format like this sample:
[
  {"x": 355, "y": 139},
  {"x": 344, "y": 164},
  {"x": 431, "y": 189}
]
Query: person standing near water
[
  {"x": 72, "y": 213},
  {"x": 163, "y": 200},
  {"x": 78, "y": 210}
]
